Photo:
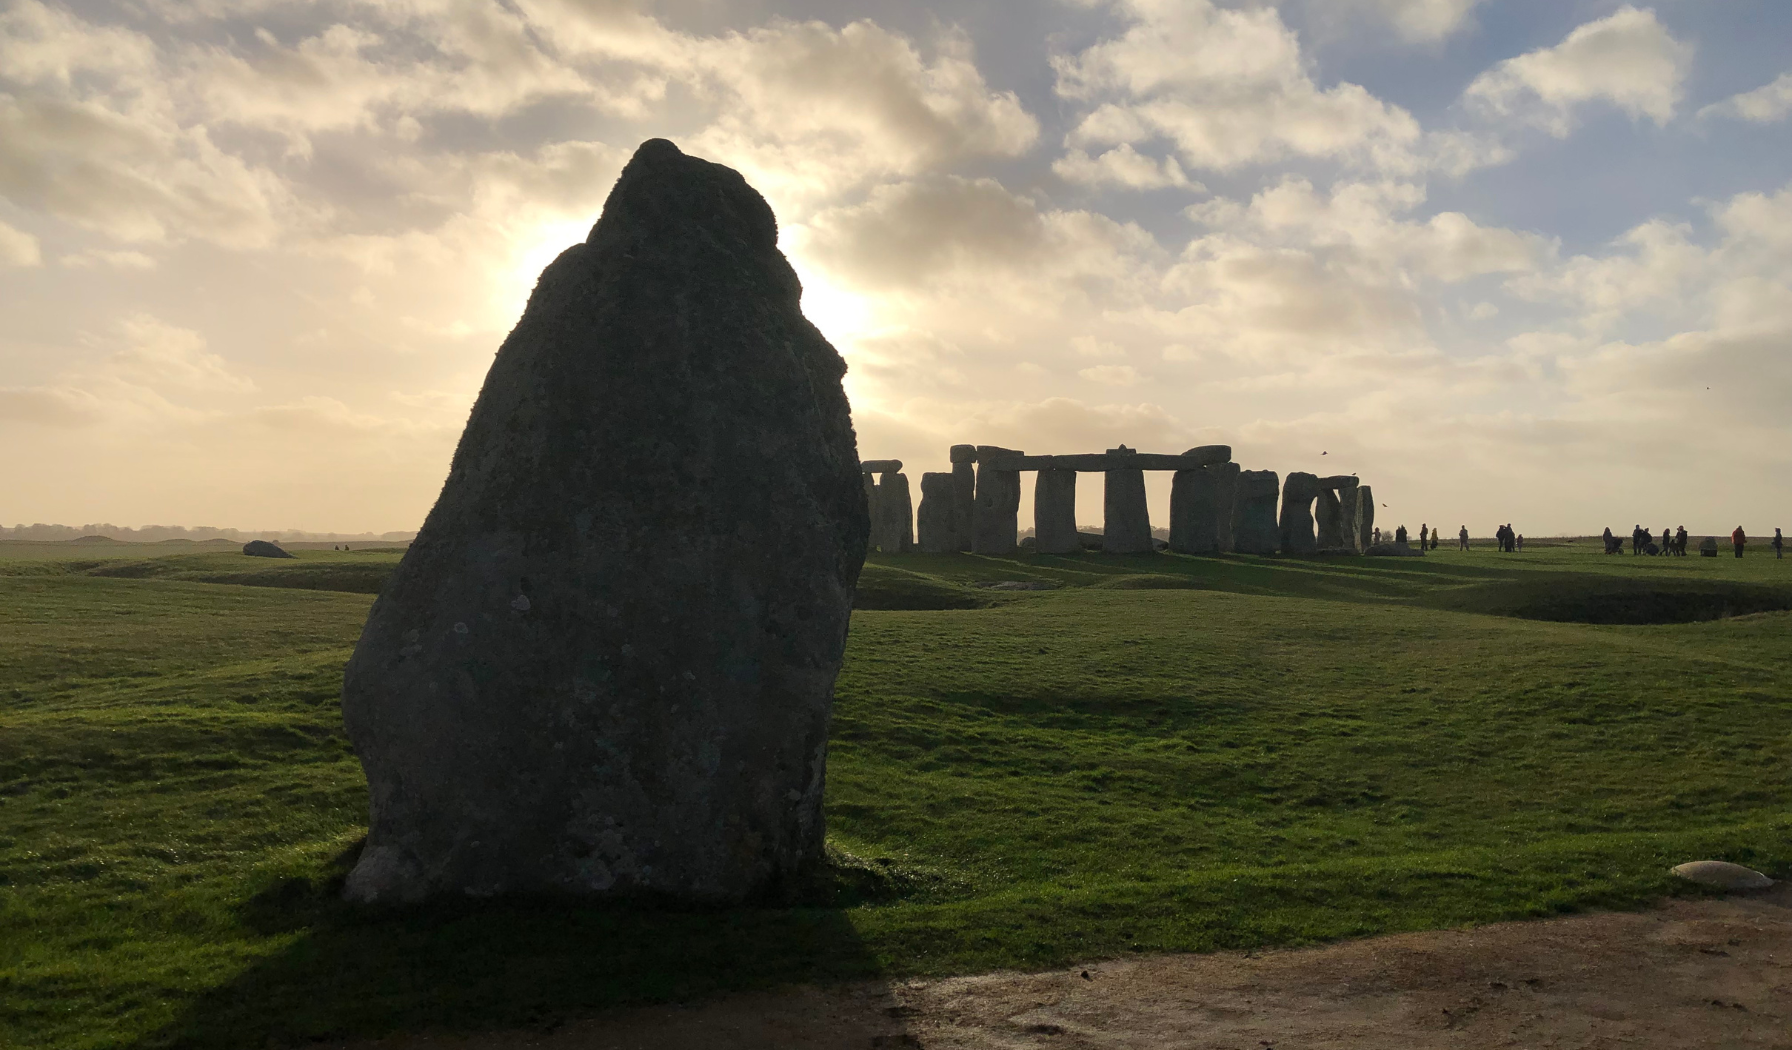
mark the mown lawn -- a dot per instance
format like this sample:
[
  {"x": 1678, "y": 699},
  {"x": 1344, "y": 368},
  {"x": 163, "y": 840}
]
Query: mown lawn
[{"x": 1161, "y": 753}]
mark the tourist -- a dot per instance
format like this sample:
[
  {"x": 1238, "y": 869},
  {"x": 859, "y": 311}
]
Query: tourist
[
  {"x": 1462, "y": 537},
  {"x": 1667, "y": 540},
  {"x": 1375, "y": 537},
  {"x": 1738, "y": 538},
  {"x": 1680, "y": 541},
  {"x": 1518, "y": 542},
  {"x": 1400, "y": 535},
  {"x": 1424, "y": 535},
  {"x": 1436, "y": 534},
  {"x": 1778, "y": 542}
]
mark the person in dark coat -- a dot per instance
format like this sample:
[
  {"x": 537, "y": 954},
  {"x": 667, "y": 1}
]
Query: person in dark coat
[
  {"x": 1680, "y": 541},
  {"x": 1400, "y": 535},
  {"x": 1462, "y": 537},
  {"x": 1738, "y": 538},
  {"x": 1778, "y": 543}
]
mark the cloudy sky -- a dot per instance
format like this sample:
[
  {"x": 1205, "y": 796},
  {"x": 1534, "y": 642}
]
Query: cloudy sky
[{"x": 1512, "y": 260}]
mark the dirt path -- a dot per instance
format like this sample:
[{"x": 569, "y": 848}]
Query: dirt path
[{"x": 1688, "y": 974}]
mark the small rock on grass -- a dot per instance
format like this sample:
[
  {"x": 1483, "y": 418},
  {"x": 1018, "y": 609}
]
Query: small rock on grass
[
  {"x": 1722, "y": 875},
  {"x": 264, "y": 549}
]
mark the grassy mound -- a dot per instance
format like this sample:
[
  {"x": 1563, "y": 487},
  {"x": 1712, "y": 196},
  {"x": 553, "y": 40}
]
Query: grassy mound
[
  {"x": 889, "y": 588},
  {"x": 1581, "y": 598}
]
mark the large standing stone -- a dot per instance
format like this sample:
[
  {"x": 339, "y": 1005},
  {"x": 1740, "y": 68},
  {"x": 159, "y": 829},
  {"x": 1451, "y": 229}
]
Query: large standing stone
[
  {"x": 1347, "y": 490},
  {"x": 1328, "y": 518},
  {"x": 964, "y": 494},
  {"x": 1254, "y": 513},
  {"x": 893, "y": 516},
  {"x": 1126, "y": 520},
  {"x": 1054, "y": 513},
  {"x": 995, "y": 518},
  {"x": 1365, "y": 528},
  {"x": 605, "y": 665},
  {"x": 1225, "y": 497},
  {"x": 1298, "y": 494},
  {"x": 1194, "y": 512},
  {"x": 936, "y": 521}
]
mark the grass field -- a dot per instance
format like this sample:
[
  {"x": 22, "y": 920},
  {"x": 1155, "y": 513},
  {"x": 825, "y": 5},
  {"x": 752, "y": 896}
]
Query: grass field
[{"x": 1154, "y": 753}]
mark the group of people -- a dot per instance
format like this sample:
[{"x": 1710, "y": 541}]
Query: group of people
[
  {"x": 1674, "y": 542},
  {"x": 1510, "y": 542}
]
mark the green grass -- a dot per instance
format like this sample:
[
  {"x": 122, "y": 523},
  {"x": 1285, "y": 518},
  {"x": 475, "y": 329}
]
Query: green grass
[{"x": 1159, "y": 753}]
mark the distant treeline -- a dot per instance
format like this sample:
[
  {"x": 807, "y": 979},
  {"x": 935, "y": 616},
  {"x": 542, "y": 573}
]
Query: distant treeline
[{"x": 160, "y": 533}]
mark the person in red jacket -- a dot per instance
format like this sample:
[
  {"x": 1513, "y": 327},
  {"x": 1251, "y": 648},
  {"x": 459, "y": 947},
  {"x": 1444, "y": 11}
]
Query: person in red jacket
[{"x": 1738, "y": 539}]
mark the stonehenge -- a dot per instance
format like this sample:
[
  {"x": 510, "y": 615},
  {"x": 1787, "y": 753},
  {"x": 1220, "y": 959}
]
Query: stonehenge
[
  {"x": 1216, "y": 507},
  {"x": 590, "y": 674}
]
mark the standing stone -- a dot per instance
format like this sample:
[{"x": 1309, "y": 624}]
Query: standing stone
[
  {"x": 964, "y": 495},
  {"x": 1054, "y": 513},
  {"x": 1365, "y": 528},
  {"x": 872, "y": 510},
  {"x": 936, "y": 522},
  {"x": 1254, "y": 514},
  {"x": 1329, "y": 521},
  {"x": 893, "y": 516},
  {"x": 606, "y": 663},
  {"x": 995, "y": 517},
  {"x": 1225, "y": 499},
  {"x": 1298, "y": 494},
  {"x": 1126, "y": 520},
  {"x": 1345, "y": 491},
  {"x": 1194, "y": 512}
]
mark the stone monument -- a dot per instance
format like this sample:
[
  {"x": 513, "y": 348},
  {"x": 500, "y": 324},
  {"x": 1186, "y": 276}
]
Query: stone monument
[{"x": 605, "y": 665}]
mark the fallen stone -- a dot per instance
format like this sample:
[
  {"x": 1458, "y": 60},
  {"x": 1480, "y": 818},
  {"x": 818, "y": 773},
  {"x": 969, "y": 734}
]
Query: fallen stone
[
  {"x": 1722, "y": 875},
  {"x": 605, "y": 665},
  {"x": 1393, "y": 550},
  {"x": 264, "y": 549}
]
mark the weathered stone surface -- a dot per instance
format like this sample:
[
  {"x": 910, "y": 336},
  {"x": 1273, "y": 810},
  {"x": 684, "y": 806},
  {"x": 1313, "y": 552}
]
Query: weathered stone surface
[
  {"x": 1194, "y": 512},
  {"x": 264, "y": 549},
  {"x": 1338, "y": 511},
  {"x": 1225, "y": 498},
  {"x": 1117, "y": 459},
  {"x": 1298, "y": 494},
  {"x": 936, "y": 530},
  {"x": 1365, "y": 526},
  {"x": 1254, "y": 529},
  {"x": 1054, "y": 513},
  {"x": 893, "y": 517},
  {"x": 995, "y": 516},
  {"x": 1722, "y": 875},
  {"x": 605, "y": 665},
  {"x": 880, "y": 466},
  {"x": 964, "y": 494},
  {"x": 1393, "y": 550},
  {"x": 1126, "y": 520}
]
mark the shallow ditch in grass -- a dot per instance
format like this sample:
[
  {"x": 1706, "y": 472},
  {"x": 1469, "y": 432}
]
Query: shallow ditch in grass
[{"x": 1580, "y": 599}]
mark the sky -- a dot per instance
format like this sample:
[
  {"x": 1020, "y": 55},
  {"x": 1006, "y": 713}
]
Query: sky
[{"x": 1509, "y": 261}]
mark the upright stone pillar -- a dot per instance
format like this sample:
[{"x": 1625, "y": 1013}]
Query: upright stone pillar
[
  {"x": 1365, "y": 525},
  {"x": 995, "y": 517},
  {"x": 895, "y": 518},
  {"x": 1254, "y": 515},
  {"x": 1347, "y": 488},
  {"x": 1329, "y": 517},
  {"x": 964, "y": 495},
  {"x": 876, "y": 537},
  {"x": 1298, "y": 494},
  {"x": 1126, "y": 520},
  {"x": 1054, "y": 513},
  {"x": 936, "y": 523},
  {"x": 1193, "y": 512},
  {"x": 1225, "y": 500}
]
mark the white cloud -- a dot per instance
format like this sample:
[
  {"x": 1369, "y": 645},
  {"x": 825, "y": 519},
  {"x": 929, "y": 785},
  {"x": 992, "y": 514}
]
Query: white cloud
[
  {"x": 1228, "y": 87},
  {"x": 1764, "y": 105},
  {"x": 18, "y": 248},
  {"x": 1110, "y": 375},
  {"x": 163, "y": 356},
  {"x": 98, "y": 257},
  {"x": 1123, "y": 166},
  {"x": 1426, "y": 20},
  {"x": 1628, "y": 59}
]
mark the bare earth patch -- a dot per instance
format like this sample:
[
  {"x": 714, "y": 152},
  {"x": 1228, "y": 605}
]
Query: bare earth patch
[{"x": 1692, "y": 973}]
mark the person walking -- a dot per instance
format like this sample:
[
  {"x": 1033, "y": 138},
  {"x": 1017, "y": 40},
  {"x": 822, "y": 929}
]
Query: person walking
[
  {"x": 1518, "y": 542},
  {"x": 1462, "y": 537},
  {"x": 1778, "y": 543},
  {"x": 1424, "y": 535},
  {"x": 1680, "y": 542},
  {"x": 1738, "y": 538}
]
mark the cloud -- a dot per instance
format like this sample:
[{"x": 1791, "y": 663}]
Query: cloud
[
  {"x": 18, "y": 248},
  {"x": 1228, "y": 87},
  {"x": 1111, "y": 375},
  {"x": 1628, "y": 59},
  {"x": 162, "y": 356},
  {"x": 1764, "y": 105},
  {"x": 98, "y": 257},
  {"x": 1123, "y": 166},
  {"x": 1426, "y": 20}
]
